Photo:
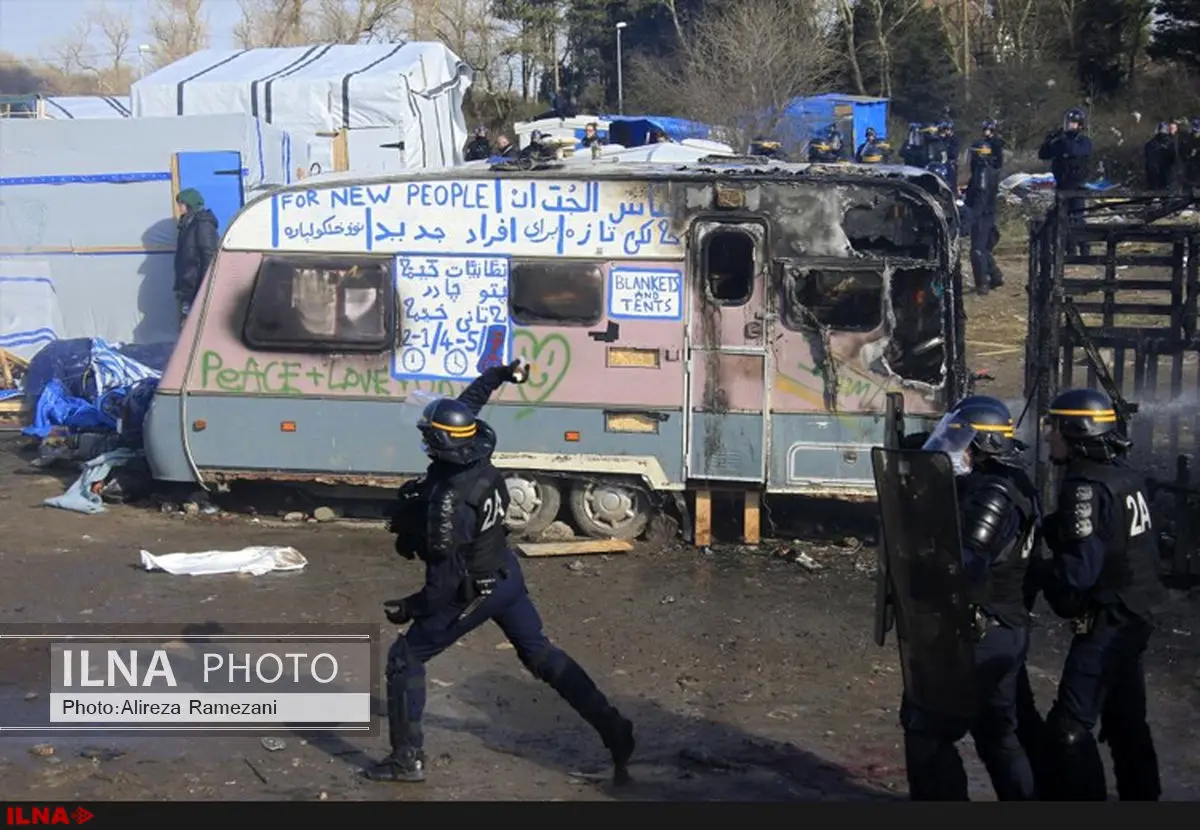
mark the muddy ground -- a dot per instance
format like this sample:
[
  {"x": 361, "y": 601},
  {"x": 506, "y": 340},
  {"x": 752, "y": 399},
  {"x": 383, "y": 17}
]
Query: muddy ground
[{"x": 750, "y": 674}]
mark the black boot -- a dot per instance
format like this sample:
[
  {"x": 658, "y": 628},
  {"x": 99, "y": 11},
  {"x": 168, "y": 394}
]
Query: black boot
[
  {"x": 578, "y": 689},
  {"x": 403, "y": 765},
  {"x": 405, "y": 762}
]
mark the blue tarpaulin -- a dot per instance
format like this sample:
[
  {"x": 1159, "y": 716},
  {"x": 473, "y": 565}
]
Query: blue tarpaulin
[
  {"x": 87, "y": 385},
  {"x": 634, "y": 130}
]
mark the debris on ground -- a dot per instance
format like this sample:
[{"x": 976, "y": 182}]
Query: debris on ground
[
  {"x": 255, "y": 561},
  {"x": 271, "y": 744}
]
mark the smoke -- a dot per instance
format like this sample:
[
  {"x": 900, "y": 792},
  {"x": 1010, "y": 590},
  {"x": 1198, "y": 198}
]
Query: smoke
[{"x": 17, "y": 79}]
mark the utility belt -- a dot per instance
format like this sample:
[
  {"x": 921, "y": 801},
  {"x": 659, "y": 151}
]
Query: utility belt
[{"x": 476, "y": 590}]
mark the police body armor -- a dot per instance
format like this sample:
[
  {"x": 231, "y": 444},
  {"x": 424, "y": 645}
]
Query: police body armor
[
  {"x": 1130, "y": 571},
  {"x": 929, "y": 594},
  {"x": 487, "y": 495},
  {"x": 986, "y": 497},
  {"x": 984, "y": 187}
]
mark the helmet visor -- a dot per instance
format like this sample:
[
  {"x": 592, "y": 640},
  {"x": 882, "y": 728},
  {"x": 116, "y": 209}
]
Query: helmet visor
[{"x": 952, "y": 436}]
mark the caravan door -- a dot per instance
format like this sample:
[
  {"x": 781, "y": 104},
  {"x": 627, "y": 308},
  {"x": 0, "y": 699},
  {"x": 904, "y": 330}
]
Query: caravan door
[{"x": 728, "y": 361}]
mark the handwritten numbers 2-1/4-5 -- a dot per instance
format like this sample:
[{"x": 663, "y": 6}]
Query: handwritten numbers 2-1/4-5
[{"x": 1139, "y": 514}]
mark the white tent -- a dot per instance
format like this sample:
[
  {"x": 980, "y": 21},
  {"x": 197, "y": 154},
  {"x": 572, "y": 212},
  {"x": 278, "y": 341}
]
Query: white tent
[
  {"x": 88, "y": 106},
  {"x": 368, "y": 108}
]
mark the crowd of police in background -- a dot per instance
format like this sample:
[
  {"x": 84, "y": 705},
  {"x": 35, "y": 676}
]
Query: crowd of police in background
[{"x": 1172, "y": 161}]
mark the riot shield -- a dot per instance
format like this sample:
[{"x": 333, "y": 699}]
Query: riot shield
[{"x": 918, "y": 506}]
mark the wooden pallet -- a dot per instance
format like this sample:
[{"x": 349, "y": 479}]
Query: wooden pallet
[
  {"x": 574, "y": 548},
  {"x": 751, "y": 523}
]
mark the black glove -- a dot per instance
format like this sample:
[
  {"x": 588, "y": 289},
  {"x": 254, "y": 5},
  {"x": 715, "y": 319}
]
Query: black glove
[
  {"x": 404, "y": 547},
  {"x": 396, "y": 611},
  {"x": 512, "y": 373}
]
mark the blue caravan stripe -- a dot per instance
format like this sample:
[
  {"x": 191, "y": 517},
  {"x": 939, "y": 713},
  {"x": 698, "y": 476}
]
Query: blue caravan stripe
[
  {"x": 179, "y": 87},
  {"x": 287, "y": 158},
  {"x": 270, "y": 75},
  {"x": 46, "y": 280},
  {"x": 88, "y": 178},
  {"x": 275, "y": 222}
]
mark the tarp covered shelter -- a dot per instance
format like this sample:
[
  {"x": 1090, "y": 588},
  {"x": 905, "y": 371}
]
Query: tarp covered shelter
[
  {"x": 88, "y": 217},
  {"x": 88, "y": 106},
  {"x": 368, "y": 108}
]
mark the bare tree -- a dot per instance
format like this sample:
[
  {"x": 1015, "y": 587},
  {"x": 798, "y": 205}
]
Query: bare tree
[
  {"x": 299, "y": 22},
  {"x": 273, "y": 23},
  {"x": 887, "y": 19},
  {"x": 741, "y": 66},
  {"x": 845, "y": 11},
  {"x": 98, "y": 50},
  {"x": 482, "y": 41},
  {"x": 179, "y": 28}
]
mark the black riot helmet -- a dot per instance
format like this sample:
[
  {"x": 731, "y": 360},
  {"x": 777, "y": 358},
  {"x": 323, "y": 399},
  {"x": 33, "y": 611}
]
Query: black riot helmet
[
  {"x": 1081, "y": 415},
  {"x": 988, "y": 126},
  {"x": 992, "y": 421},
  {"x": 1074, "y": 116},
  {"x": 1163, "y": 128},
  {"x": 453, "y": 434}
]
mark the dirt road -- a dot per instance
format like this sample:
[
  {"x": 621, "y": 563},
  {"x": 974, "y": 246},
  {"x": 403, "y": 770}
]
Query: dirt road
[{"x": 750, "y": 675}]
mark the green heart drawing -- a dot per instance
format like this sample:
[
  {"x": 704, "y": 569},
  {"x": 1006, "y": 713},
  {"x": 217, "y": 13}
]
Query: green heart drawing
[{"x": 548, "y": 359}]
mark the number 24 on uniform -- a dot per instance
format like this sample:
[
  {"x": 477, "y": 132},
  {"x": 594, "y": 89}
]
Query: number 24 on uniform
[{"x": 1139, "y": 514}]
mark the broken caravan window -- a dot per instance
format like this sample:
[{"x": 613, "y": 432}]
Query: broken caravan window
[
  {"x": 569, "y": 293},
  {"x": 916, "y": 349},
  {"x": 841, "y": 300},
  {"x": 892, "y": 225},
  {"x": 322, "y": 303},
  {"x": 729, "y": 266}
]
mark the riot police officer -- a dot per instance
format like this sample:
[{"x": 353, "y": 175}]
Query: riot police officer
[
  {"x": 1160, "y": 158},
  {"x": 873, "y": 150},
  {"x": 471, "y": 576},
  {"x": 1105, "y": 581},
  {"x": 768, "y": 148},
  {"x": 1189, "y": 155},
  {"x": 950, "y": 142},
  {"x": 1069, "y": 152},
  {"x": 999, "y": 519},
  {"x": 980, "y": 203},
  {"x": 478, "y": 148},
  {"x": 989, "y": 131},
  {"x": 827, "y": 148}
]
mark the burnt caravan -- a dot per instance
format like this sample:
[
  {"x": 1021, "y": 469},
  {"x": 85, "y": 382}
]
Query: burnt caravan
[{"x": 692, "y": 323}]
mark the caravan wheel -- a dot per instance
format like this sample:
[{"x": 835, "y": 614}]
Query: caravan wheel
[
  {"x": 533, "y": 504},
  {"x": 606, "y": 510}
]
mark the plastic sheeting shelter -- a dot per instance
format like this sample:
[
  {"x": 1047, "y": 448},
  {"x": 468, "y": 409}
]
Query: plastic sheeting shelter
[
  {"x": 87, "y": 217},
  {"x": 853, "y": 114},
  {"x": 71, "y": 107},
  {"x": 372, "y": 108}
]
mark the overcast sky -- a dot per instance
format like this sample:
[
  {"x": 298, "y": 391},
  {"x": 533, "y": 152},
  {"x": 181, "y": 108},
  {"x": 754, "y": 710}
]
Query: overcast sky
[{"x": 29, "y": 28}]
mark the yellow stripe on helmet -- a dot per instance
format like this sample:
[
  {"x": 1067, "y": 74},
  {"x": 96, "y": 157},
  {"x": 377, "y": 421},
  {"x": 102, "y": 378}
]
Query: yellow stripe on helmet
[
  {"x": 456, "y": 432},
  {"x": 1006, "y": 430},
  {"x": 1100, "y": 415}
]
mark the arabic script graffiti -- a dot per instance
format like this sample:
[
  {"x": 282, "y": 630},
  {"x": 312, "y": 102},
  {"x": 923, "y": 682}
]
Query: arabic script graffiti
[
  {"x": 500, "y": 216},
  {"x": 453, "y": 316}
]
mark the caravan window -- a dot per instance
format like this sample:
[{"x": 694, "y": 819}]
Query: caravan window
[
  {"x": 333, "y": 304},
  {"x": 569, "y": 293},
  {"x": 840, "y": 300}
]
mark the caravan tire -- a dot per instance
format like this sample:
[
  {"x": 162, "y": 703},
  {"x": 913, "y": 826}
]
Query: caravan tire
[
  {"x": 607, "y": 510},
  {"x": 533, "y": 504}
]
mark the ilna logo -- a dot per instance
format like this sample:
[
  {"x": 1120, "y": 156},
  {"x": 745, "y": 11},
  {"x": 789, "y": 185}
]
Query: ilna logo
[{"x": 46, "y": 815}]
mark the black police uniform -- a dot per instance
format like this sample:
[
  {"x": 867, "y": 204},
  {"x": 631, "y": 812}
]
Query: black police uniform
[
  {"x": 950, "y": 142},
  {"x": 999, "y": 525},
  {"x": 477, "y": 149},
  {"x": 1160, "y": 159},
  {"x": 980, "y": 202},
  {"x": 1105, "y": 580},
  {"x": 471, "y": 576},
  {"x": 1189, "y": 156},
  {"x": 1069, "y": 154}
]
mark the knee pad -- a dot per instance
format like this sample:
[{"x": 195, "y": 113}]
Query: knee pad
[
  {"x": 398, "y": 658},
  {"x": 1066, "y": 731},
  {"x": 547, "y": 664}
]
